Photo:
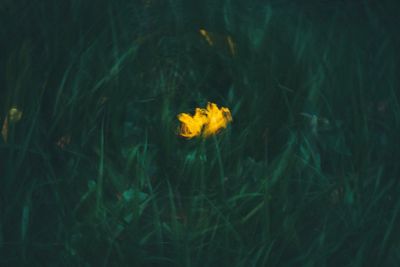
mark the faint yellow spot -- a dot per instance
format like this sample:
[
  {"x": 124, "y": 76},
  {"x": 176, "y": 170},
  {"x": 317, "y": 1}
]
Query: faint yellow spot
[
  {"x": 205, "y": 122},
  {"x": 13, "y": 116},
  {"x": 63, "y": 141},
  {"x": 103, "y": 100},
  {"x": 147, "y": 3},
  {"x": 206, "y": 36},
  {"x": 232, "y": 45}
]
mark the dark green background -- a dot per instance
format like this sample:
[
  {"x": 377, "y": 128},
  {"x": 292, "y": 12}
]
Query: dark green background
[{"x": 307, "y": 173}]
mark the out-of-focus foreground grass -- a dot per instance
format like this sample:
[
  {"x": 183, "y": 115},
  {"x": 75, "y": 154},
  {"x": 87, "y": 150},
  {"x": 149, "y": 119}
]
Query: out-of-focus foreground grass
[{"x": 94, "y": 173}]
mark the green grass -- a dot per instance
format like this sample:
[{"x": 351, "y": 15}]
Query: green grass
[{"x": 305, "y": 175}]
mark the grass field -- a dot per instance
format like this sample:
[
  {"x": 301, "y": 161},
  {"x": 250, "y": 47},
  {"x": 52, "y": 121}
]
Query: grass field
[{"x": 93, "y": 171}]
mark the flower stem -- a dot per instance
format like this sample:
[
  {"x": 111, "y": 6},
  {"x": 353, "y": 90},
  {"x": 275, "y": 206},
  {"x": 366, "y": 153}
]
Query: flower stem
[{"x": 220, "y": 166}]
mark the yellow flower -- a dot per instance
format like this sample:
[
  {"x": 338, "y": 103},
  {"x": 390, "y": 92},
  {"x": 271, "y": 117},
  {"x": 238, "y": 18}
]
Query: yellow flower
[{"x": 205, "y": 122}]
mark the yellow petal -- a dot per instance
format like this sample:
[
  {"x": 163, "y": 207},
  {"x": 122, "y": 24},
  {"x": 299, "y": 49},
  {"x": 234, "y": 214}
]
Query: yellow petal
[
  {"x": 191, "y": 125},
  {"x": 217, "y": 119}
]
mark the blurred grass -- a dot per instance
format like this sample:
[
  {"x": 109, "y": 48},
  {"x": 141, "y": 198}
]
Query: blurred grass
[{"x": 94, "y": 173}]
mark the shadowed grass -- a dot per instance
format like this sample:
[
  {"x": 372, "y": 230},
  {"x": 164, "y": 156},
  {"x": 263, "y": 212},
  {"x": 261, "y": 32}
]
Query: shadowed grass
[{"x": 94, "y": 173}]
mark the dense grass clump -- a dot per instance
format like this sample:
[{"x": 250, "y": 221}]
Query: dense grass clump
[{"x": 94, "y": 173}]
